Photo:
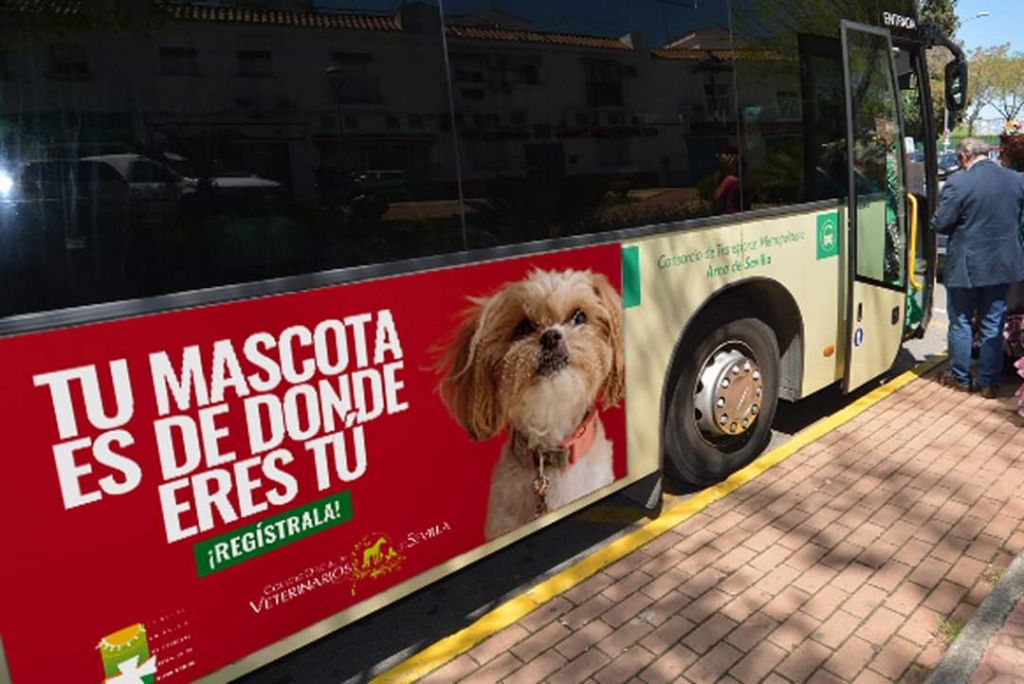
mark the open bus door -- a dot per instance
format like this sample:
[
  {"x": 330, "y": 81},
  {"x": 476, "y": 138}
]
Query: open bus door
[
  {"x": 919, "y": 155},
  {"x": 877, "y": 253}
]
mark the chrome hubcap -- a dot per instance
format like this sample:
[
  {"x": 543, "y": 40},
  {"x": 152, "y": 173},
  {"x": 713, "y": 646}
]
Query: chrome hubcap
[{"x": 728, "y": 395}]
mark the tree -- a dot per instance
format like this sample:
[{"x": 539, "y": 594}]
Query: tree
[
  {"x": 943, "y": 14},
  {"x": 1008, "y": 84},
  {"x": 981, "y": 84}
]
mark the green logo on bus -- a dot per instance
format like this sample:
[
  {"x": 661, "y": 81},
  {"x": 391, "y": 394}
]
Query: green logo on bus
[{"x": 828, "y": 235}]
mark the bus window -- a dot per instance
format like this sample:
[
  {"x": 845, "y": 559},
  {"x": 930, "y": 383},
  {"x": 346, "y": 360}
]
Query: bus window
[
  {"x": 912, "y": 105},
  {"x": 581, "y": 117},
  {"x": 789, "y": 70},
  {"x": 249, "y": 145},
  {"x": 877, "y": 161},
  {"x": 794, "y": 118}
]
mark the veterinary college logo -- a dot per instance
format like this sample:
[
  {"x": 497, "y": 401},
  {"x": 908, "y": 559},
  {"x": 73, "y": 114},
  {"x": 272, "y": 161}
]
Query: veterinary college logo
[{"x": 373, "y": 556}]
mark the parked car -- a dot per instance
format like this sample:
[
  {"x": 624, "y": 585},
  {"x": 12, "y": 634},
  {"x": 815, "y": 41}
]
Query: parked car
[{"x": 948, "y": 165}]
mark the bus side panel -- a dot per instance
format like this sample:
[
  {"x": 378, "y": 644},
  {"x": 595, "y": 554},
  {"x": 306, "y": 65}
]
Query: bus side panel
[
  {"x": 277, "y": 461},
  {"x": 681, "y": 274}
]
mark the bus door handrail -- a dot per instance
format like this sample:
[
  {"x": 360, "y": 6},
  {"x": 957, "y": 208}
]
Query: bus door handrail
[{"x": 911, "y": 272}]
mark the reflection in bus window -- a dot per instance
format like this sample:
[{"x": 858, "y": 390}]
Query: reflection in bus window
[
  {"x": 790, "y": 71},
  {"x": 579, "y": 117},
  {"x": 290, "y": 138},
  {"x": 881, "y": 228},
  {"x": 153, "y": 147},
  {"x": 912, "y": 106}
]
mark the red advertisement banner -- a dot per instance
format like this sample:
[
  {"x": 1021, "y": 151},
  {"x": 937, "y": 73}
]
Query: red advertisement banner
[{"x": 272, "y": 462}]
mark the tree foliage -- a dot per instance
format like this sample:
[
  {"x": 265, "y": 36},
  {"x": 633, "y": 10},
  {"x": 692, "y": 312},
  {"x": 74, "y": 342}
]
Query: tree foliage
[
  {"x": 943, "y": 14},
  {"x": 982, "y": 81},
  {"x": 1007, "y": 89}
]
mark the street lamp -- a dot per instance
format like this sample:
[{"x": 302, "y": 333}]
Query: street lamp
[{"x": 945, "y": 124}]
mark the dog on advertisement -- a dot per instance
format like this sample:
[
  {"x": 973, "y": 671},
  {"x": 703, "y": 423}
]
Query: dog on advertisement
[{"x": 540, "y": 357}]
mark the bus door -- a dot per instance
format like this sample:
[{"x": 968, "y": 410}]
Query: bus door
[
  {"x": 919, "y": 153},
  {"x": 876, "y": 273}
]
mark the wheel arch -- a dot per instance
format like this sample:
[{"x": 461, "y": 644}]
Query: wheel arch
[{"x": 765, "y": 299}]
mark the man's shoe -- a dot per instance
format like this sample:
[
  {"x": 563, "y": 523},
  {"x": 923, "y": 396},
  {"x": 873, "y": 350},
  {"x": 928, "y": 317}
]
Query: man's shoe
[
  {"x": 989, "y": 391},
  {"x": 947, "y": 380}
]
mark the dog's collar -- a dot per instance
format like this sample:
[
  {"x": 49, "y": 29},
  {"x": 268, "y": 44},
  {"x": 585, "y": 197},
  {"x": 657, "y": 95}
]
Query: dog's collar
[{"x": 569, "y": 450}]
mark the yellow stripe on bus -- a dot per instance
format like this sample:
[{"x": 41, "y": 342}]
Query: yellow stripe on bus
[{"x": 444, "y": 651}]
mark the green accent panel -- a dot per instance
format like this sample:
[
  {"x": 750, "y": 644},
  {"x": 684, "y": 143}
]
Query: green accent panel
[{"x": 630, "y": 277}]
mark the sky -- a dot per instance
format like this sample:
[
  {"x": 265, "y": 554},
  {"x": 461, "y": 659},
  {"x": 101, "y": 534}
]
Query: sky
[{"x": 1001, "y": 26}]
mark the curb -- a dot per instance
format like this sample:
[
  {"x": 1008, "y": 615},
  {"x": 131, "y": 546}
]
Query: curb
[{"x": 963, "y": 656}]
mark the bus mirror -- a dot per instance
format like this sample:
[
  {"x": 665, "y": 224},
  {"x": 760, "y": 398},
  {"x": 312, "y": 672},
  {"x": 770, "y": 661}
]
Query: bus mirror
[{"x": 956, "y": 85}]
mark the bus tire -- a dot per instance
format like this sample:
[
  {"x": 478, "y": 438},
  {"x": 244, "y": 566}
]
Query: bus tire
[{"x": 739, "y": 357}]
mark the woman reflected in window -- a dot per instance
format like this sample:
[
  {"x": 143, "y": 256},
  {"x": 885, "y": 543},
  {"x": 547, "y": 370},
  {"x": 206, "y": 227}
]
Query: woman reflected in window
[{"x": 726, "y": 197}]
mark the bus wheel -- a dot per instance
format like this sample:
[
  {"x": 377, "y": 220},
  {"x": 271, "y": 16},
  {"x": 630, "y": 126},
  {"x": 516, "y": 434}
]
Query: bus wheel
[{"x": 723, "y": 402}]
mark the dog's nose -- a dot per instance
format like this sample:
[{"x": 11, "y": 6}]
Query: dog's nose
[{"x": 550, "y": 339}]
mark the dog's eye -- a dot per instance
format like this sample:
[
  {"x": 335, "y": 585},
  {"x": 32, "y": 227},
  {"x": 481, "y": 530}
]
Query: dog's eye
[
  {"x": 578, "y": 317},
  {"x": 524, "y": 328}
]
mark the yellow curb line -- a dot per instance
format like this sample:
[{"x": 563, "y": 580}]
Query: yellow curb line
[{"x": 510, "y": 612}]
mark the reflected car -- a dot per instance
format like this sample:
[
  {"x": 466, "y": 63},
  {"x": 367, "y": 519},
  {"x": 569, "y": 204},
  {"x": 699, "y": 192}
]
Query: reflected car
[
  {"x": 366, "y": 194},
  {"x": 6, "y": 183},
  {"x": 155, "y": 192},
  {"x": 223, "y": 178},
  {"x": 392, "y": 184},
  {"x": 64, "y": 203}
]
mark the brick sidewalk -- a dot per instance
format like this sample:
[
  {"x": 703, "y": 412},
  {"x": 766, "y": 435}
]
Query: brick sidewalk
[{"x": 854, "y": 560}]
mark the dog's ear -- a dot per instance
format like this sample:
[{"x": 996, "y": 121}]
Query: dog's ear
[
  {"x": 611, "y": 302},
  {"x": 468, "y": 387}
]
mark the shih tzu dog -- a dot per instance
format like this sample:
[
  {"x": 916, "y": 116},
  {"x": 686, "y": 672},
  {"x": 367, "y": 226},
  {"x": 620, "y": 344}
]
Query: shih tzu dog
[{"x": 540, "y": 357}]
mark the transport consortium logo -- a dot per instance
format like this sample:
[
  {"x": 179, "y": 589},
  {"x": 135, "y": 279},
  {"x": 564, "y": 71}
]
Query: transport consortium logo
[{"x": 828, "y": 235}]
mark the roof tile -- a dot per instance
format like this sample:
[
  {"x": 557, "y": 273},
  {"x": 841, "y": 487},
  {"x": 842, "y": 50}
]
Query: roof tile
[
  {"x": 326, "y": 20},
  {"x": 720, "y": 55},
  {"x": 506, "y": 35},
  {"x": 58, "y": 7}
]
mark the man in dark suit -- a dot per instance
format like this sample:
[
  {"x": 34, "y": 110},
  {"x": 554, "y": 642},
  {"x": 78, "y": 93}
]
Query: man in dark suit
[{"x": 979, "y": 209}]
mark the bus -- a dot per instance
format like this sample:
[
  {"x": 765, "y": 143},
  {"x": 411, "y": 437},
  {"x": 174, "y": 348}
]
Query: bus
[{"x": 304, "y": 308}]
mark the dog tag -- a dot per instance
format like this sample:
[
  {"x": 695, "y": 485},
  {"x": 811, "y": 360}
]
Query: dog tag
[{"x": 540, "y": 488}]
